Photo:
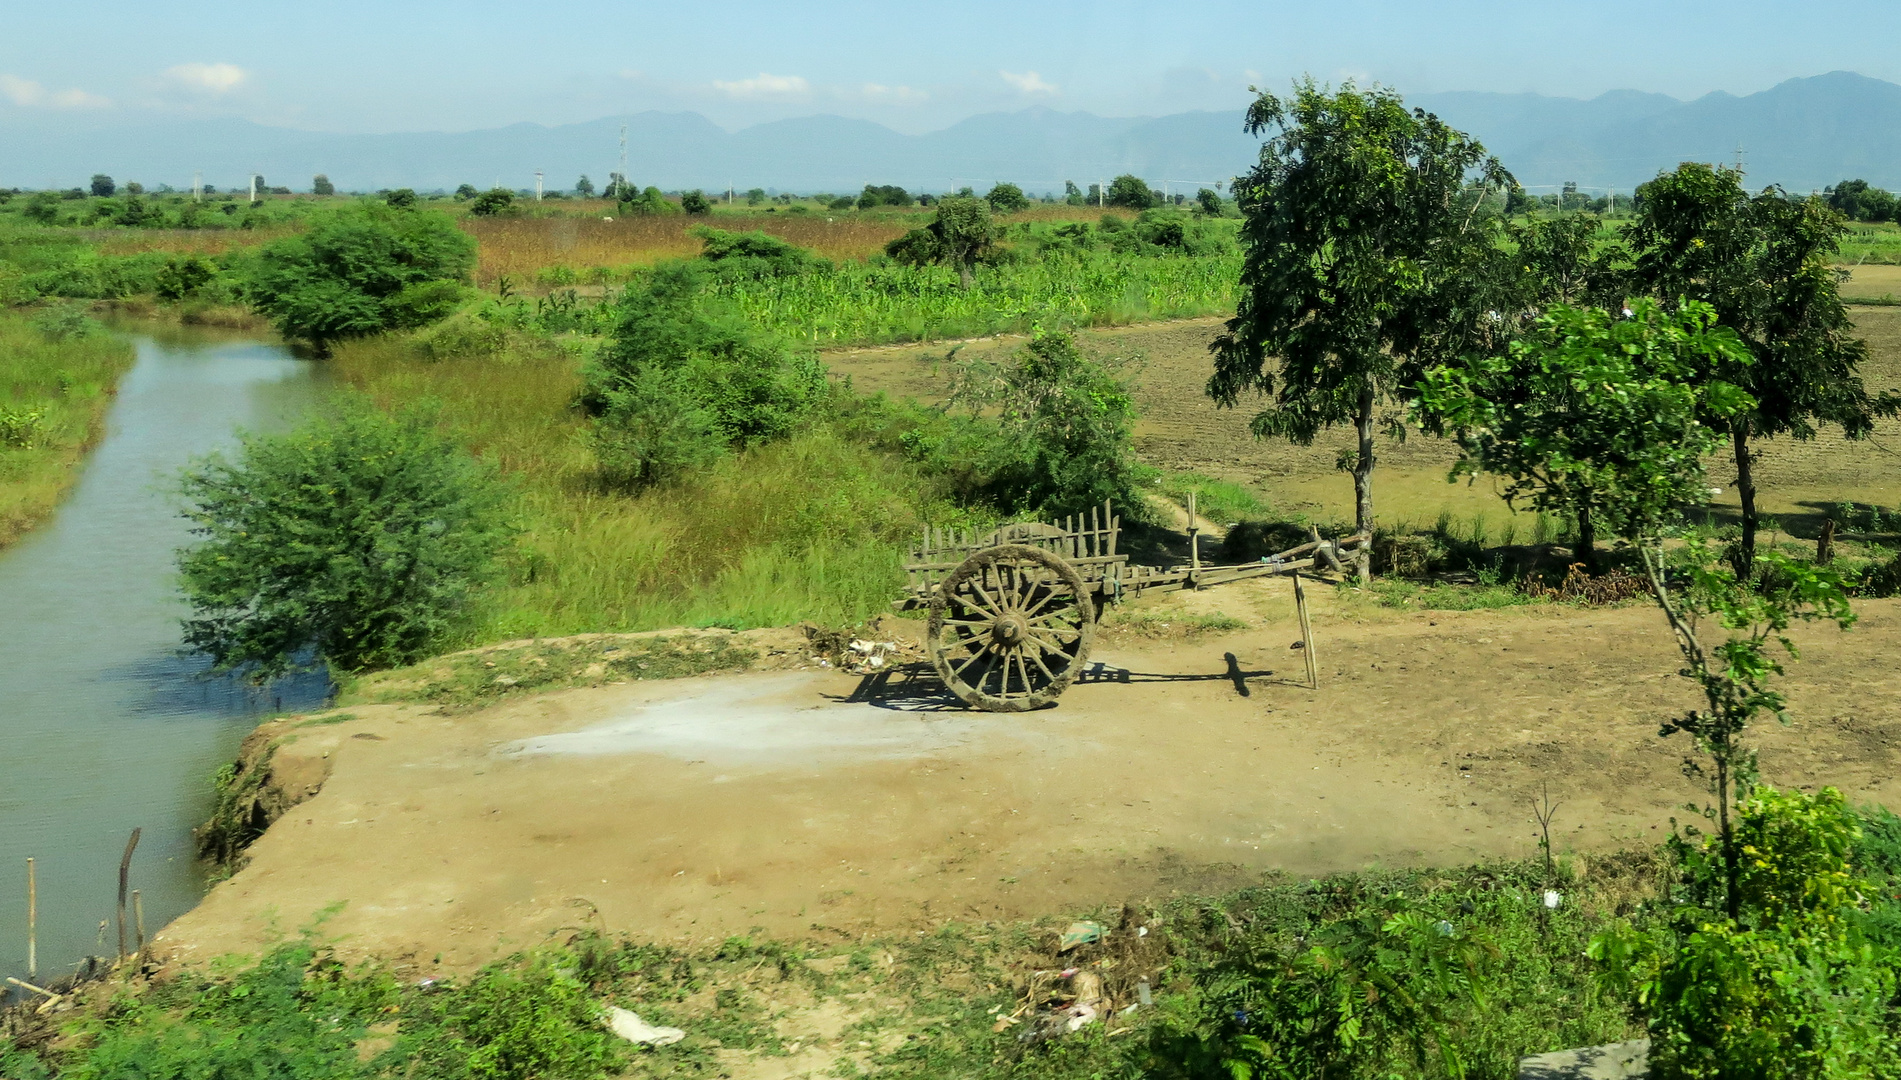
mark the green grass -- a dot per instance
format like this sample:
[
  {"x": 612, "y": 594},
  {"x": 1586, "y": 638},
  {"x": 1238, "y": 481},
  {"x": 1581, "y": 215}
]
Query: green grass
[
  {"x": 1220, "y": 501},
  {"x": 54, "y": 390},
  {"x": 472, "y": 679}
]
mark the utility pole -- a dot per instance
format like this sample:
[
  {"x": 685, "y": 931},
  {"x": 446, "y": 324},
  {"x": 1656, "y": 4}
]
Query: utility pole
[
  {"x": 1102, "y": 192},
  {"x": 537, "y": 185},
  {"x": 622, "y": 194},
  {"x": 1739, "y": 164},
  {"x": 198, "y": 186}
]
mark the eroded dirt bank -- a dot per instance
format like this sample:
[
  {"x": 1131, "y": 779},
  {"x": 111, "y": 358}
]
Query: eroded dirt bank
[{"x": 789, "y": 801}]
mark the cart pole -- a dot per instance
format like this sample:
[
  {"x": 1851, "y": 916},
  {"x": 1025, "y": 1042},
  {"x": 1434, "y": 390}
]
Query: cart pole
[
  {"x": 1306, "y": 634},
  {"x": 1194, "y": 543},
  {"x": 32, "y": 922}
]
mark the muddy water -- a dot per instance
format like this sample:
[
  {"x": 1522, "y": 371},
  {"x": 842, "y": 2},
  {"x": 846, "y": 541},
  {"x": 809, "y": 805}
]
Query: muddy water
[{"x": 104, "y": 725}]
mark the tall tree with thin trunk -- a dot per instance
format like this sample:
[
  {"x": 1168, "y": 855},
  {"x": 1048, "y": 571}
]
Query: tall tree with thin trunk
[
  {"x": 1367, "y": 246},
  {"x": 1762, "y": 262}
]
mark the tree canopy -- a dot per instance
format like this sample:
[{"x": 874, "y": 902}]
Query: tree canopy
[
  {"x": 1006, "y": 198},
  {"x": 1363, "y": 244},
  {"x": 960, "y": 235}
]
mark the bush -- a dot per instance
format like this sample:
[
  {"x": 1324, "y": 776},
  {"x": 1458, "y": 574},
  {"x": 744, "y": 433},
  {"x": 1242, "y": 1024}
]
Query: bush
[
  {"x": 182, "y": 278},
  {"x": 1006, "y": 199},
  {"x": 680, "y": 377},
  {"x": 360, "y": 270},
  {"x": 361, "y": 539},
  {"x": 695, "y": 202},
  {"x": 649, "y": 203},
  {"x": 1066, "y": 436},
  {"x": 1131, "y": 191},
  {"x": 884, "y": 195},
  {"x": 753, "y": 255},
  {"x": 515, "y": 1020},
  {"x": 492, "y": 202}
]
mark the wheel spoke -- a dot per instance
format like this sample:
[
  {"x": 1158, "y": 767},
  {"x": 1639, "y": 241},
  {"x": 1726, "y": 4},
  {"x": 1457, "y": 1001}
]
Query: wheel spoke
[
  {"x": 989, "y": 606},
  {"x": 1047, "y": 673},
  {"x": 1023, "y": 667},
  {"x": 965, "y": 666},
  {"x": 1052, "y": 594}
]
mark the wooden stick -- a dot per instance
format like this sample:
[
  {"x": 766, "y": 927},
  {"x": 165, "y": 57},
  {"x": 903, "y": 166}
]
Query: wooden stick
[
  {"x": 125, "y": 869},
  {"x": 35, "y": 989},
  {"x": 1194, "y": 535},
  {"x": 1306, "y": 634},
  {"x": 138, "y": 921},
  {"x": 32, "y": 921}
]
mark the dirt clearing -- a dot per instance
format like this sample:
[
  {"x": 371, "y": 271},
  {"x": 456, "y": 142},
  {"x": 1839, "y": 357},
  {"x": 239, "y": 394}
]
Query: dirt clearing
[{"x": 812, "y": 805}]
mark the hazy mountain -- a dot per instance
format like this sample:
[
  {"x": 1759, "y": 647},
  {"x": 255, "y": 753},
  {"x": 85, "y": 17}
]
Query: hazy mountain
[{"x": 1803, "y": 133}]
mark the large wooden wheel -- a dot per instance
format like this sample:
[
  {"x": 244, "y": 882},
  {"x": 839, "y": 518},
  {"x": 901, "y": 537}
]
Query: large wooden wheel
[{"x": 1011, "y": 627}]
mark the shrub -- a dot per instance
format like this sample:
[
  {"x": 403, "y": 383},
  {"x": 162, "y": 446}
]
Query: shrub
[
  {"x": 65, "y": 322},
  {"x": 401, "y": 198},
  {"x": 360, "y": 270},
  {"x": 513, "y": 1021},
  {"x": 680, "y": 377},
  {"x": 1006, "y": 199},
  {"x": 695, "y": 202},
  {"x": 182, "y": 278},
  {"x": 361, "y": 538},
  {"x": 884, "y": 195},
  {"x": 649, "y": 203},
  {"x": 753, "y": 255},
  {"x": 492, "y": 202}
]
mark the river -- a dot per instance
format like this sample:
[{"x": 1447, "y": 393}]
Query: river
[{"x": 104, "y": 725}]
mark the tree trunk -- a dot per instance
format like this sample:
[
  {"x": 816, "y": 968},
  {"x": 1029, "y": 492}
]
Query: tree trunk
[
  {"x": 1363, "y": 466},
  {"x": 1746, "y": 491},
  {"x": 1587, "y": 538},
  {"x": 964, "y": 278}
]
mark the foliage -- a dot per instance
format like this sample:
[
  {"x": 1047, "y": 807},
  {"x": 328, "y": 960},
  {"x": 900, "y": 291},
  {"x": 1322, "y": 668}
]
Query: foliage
[
  {"x": 650, "y": 202},
  {"x": 321, "y": 185},
  {"x": 183, "y": 278},
  {"x": 960, "y": 235},
  {"x": 57, "y": 373},
  {"x": 1130, "y": 191},
  {"x": 360, "y": 270},
  {"x": 1209, "y": 202},
  {"x": 359, "y": 539},
  {"x": 1006, "y": 198},
  {"x": 680, "y": 381},
  {"x": 876, "y": 195},
  {"x": 525, "y": 1019},
  {"x": 754, "y": 255},
  {"x": 401, "y": 198},
  {"x": 694, "y": 202},
  {"x": 102, "y": 186},
  {"x": 1779, "y": 984},
  {"x": 1762, "y": 262},
  {"x": 1735, "y": 675},
  {"x": 1594, "y": 415},
  {"x": 492, "y": 202},
  {"x": 1362, "y": 242},
  {"x": 1857, "y": 200},
  {"x": 1067, "y": 430}
]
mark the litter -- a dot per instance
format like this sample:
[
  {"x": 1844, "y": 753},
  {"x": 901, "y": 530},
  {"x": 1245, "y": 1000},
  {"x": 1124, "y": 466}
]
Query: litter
[
  {"x": 1080, "y": 933},
  {"x": 1553, "y": 899},
  {"x": 631, "y": 1027}
]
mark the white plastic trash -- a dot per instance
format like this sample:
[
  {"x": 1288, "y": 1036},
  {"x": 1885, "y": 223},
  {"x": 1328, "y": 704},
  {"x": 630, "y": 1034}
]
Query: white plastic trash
[
  {"x": 631, "y": 1027},
  {"x": 1552, "y": 899}
]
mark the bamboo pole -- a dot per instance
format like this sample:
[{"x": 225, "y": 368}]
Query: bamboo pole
[
  {"x": 138, "y": 922},
  {"x": 1306, "y": 634},
  {"x": 125, "y": 870},
  {"x": 32, "y": 921}
]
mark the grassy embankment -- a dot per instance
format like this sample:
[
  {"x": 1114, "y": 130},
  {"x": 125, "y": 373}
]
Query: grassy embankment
[{"x": 57, "y": 375}]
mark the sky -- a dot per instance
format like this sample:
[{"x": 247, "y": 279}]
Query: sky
[{"x": 424, "y": 65}]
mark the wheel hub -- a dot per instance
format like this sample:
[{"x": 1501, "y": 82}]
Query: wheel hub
[{"x": 1009, "y": 631}]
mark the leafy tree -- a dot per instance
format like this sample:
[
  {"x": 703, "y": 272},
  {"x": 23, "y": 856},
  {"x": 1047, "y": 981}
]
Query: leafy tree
[
  {"x": 42, "y": 208},
  {"x": 1359, "y": 266},
  {"x": 695, "y": 202},
  {"x": 1857, "y": 200},
  {"x": 755, "y": 196},
  {"x": 133, "y": 187},
  {"x": 321, "y": 185},
  {"x": 1068, "y": 424},
  {"x": 360, "y": 270},
  {"x": 1594, "y": 415},
  {"x": 1072, "y": 195},
  {"x": 492, "y": 202},
  {"x": 1006, "y": 198},
  {"x": 961, "y": 235},
  {"x": 183, "y": 278},
  {"x": 584, "y": 187},
  {"x": 843, "y": 202},
  {"x": 883, "y": 195},
  {"x": 753, "y": 255},
  {"x": 1763, "y": 263},
  {"x": 102, "y": 186},
  {"x": 1131, "y": 191},
  {"x": 465, "y": 192},
  {"x": 1208, "y": 202},
  {"x": 362, "y": 538},
  {"x": 648, "y": 203},
  {"x": 401, "y": 198}
]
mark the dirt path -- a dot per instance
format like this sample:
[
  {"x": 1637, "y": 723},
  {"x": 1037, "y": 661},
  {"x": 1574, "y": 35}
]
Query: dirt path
[{"x": 700, "y": 808}]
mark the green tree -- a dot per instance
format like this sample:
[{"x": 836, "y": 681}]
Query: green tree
[
  {"x": 401, "y": 198},
  {"x": 1597, "y": 416},
  {"x": 493, "y": 202},
  {"x": 1858, "y": 200},
  {"x": 648, "y": 203},
  {"x": 360, "y": 270},
  {"x": 1072, "y": 195},
  {"x": 1763, "y": 263},
  {"x": 133, "y": 187},
  {"x": 102, "y": 186},
  {"x": 1208, "y": 202},
  {"x": 361, "y": 538},
  {"x": 42, "y": 208},
  {"x": 1130, "y": 191},
  {"x": 961, "y": 235},
  {"x": 465, "y": 192},
  {"x": 1360, "y": 261},
  {"x": 755, "y": 196},
  {"x": 883, "y": 195},
  {"x": 584, "y": 187},
  {"x": 1006, "y": 198},
  {"x": 321, "y": 185},
  {"x": 695, "y": 202}
]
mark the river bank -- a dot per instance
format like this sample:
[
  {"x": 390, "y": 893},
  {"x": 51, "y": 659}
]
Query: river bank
[{"x": 59, "y": 371}]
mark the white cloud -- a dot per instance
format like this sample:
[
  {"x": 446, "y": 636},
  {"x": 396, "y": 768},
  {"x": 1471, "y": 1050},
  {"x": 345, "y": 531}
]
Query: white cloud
[
  {"x": 209, "y": 78},
  {"x": 26, "y": 92},
  {"x": 891, "y": 95},
  {"x": 763, "y": 85},
  {"x": 1029, "y": 82}
]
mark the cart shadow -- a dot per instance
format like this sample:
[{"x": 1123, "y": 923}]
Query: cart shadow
[{"x": 916, "y": 687}]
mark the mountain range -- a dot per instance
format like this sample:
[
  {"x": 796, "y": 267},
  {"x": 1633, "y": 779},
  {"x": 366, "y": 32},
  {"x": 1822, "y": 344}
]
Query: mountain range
[{"x": 1803, "y": 133}]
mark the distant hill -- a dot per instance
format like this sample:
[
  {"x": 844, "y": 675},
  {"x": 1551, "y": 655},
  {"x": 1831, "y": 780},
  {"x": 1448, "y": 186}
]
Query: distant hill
[{"x": 1803, "y": 133}]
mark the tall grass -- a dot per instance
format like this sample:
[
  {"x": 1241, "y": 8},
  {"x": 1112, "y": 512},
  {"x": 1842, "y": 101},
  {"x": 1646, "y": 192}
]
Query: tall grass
[
  {"x": 807, "y": 528},
  {"x": 54, "y": 391}
]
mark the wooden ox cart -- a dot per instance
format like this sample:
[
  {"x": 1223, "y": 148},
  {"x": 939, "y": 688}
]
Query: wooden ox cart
[{"x": 1014, "y": 609}]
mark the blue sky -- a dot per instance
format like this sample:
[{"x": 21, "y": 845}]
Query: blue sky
[{"x": 349, "y": 65}]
